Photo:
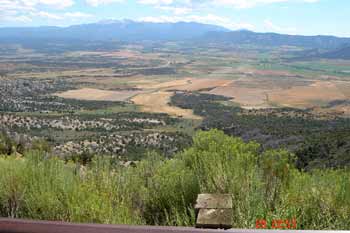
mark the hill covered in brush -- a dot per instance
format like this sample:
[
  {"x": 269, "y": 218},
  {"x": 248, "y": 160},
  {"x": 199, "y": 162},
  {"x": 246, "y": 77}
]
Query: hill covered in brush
[{"x": 159, "y": 191}]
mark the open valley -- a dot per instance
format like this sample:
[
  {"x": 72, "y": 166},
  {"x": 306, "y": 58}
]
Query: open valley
[{"x": 129, "y": 127}]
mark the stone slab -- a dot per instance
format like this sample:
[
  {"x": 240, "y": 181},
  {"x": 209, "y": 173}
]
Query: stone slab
[
  {"x": 214, "y": 218},
  {"x": 214, "y": 201}
]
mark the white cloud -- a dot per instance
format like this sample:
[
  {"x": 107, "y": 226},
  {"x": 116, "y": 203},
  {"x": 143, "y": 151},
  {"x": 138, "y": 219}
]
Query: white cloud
[
  {"x": 207, "y": 19},
  {"x": 253, "y": 3},
  {"x": 60, "y": 4},
  {"x": 44, "y": 14},
  {"x": 233, "y": 3},
  {"x": 26, "y": 10},
  {"x": 176, "y": 10},
  {"x": 8, "y": 5},
  {"x": 270, "y": 26},
  {"x": 160, "y": 19},
  {"x": 14, "y": 11},
  {"x": 22, "y": 18},
  {"x": 16, "y": 18},
  {"x": 62, "y": 16},
  {"x": 96, "y": 3},
  {"x": 156, "y": 2},
  {"x": 75, "y": 15}
]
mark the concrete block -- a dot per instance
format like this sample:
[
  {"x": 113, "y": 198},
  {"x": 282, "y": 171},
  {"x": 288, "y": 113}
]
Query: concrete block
[
  {"x": 214, "y": 201},
  {"x": 214, "y": 218},
  {"x": 214, "y": 211}
]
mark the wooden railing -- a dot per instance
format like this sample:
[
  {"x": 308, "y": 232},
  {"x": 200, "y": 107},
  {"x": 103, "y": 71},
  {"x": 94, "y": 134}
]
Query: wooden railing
[{"x": 30, "y": 226}]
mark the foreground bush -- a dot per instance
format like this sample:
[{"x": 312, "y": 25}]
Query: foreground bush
[{"x": 162, "y": 191}]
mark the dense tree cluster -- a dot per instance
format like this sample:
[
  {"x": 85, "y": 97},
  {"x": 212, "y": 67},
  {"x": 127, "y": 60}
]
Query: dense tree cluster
[{"x": 318, "y": 141}]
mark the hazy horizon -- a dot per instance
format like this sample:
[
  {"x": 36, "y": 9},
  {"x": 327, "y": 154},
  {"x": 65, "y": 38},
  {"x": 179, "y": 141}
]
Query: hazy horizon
[
  {"x": 295, "y": 17},
  {"x": 139, "y": 21}
]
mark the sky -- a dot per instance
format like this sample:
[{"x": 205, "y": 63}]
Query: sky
[{"x": 303, "y": 17}]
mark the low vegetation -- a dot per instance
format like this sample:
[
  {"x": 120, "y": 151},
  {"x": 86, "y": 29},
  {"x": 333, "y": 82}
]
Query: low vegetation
[{"x": 159, "y": 191}]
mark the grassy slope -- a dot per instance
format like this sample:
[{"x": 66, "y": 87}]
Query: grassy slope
[{"x": 161, "y": 191}]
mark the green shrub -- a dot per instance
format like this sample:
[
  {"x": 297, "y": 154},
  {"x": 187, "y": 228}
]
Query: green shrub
[
  {"x": 161, "y": 191},
  {"x": 40, "y": 188}
]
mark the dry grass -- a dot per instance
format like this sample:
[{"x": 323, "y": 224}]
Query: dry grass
[
  {"x": 96, "y": 94},
  {"x": 77, "y": 74},
  {"x": 121, "y": 53},
  {"x": 174, "y": 84},
  {"x": 246, "y": 97},
  {"x": 307, "y": 96},
  {"x": 200, "y": 84},
  {"x": 339, "y": 110},
  {"x": 158, "y": 102},
  {"x": 184, "y": 84},
  {"x": 278, "y": 73},
  {"x": 299, "y": 96},
  {"x": 344, "y": 87}
]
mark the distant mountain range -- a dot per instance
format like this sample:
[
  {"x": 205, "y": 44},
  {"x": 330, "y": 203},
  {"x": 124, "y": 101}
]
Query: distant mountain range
[
  {"x": 274, "y": 39},
  {"x": 341, "y": 53},
  {"x": 126, "y": 30},
  {"x": 132, "y": 31}
]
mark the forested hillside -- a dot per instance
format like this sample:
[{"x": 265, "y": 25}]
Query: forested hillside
[{"x": 319, "y": 141}]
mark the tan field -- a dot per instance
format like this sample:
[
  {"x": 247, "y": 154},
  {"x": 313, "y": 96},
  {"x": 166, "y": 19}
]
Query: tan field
[
  {"x": 319, "y": 92},
  {"x": 250, "y": 92},
  {"x": 158, "y": 102},
  {"x": 344, "y": 87},
  {"x": 267, "y": 72},
  {"x": 174, "y": 84},
  {"x": 121, "y": 53},
  {"x": 186, "y": 84},
  {"x": 96, "y": 94},
  {"x": 200, "y": 84},
  {"x": 345, "y": 109},
  {"x": 246, "y": 97},
  {"x": 342, "y": 110},
  {"x": 247, "y": 86},
  {"x": 315, "y": 94},
  {"x": 249, "y": 70}
]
